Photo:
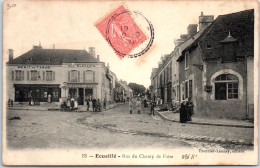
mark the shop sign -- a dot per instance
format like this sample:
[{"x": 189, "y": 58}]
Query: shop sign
[
  {"x": 81, "y": 66},
  {"x": 34, "y": 67},
  {"x": 81, "y": 85}
]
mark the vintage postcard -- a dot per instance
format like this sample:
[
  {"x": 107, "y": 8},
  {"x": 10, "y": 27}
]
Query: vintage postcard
[{"x": 163, "y": 82}]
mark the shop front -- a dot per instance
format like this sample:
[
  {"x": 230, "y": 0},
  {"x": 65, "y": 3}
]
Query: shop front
[
  {"x": 37, "y": 92},
  {"x": 82, "y": 91}
]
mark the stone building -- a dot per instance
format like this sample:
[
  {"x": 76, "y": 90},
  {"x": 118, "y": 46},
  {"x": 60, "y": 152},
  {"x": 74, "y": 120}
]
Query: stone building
[
  {"x": 213, "y": 66},
  {"x": 214, "y": 69},
  {"x": 58, "y": 73}
]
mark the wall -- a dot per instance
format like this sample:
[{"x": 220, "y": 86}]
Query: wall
[{"x": 250, "y": 87}]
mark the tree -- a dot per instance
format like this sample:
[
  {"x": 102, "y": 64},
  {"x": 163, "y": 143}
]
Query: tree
[{"x": 137, "y": 89}]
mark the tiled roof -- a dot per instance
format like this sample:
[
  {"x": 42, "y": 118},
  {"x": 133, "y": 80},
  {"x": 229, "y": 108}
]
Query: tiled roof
[
  {"x": 54, "y": 57},
  {"x": 241, "y": 28}
]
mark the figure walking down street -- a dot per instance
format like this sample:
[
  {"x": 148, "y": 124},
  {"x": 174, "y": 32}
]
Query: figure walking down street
[
  {"x": 98, "y": 106},
  {"x": 183, "y": 113},
  {"x": 138, "y": 105},
  {"x": 153, "y": 104},
  {"x": 131, "y": 106},
  {"x": 87, "y": 101},
  {"x": 189, "y": 108}
]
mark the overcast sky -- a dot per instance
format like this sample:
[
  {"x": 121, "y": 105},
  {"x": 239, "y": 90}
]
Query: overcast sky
[{"x": 70, "y": 25}]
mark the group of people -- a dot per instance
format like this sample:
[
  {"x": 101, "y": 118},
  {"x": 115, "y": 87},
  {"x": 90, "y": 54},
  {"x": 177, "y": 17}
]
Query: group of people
[
  {"x": 72, "y": 102},
  {"x": 138, "y": 105},
  {"x": 96, "y": 104},
  {"x": 10, "y": 102},
  {"x": 186, "y": 111}
]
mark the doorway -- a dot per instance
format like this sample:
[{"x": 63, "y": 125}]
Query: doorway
[{"x": 81, "y": 97}]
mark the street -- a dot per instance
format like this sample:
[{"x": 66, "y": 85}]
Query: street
[{"x": 114, "y": 128}]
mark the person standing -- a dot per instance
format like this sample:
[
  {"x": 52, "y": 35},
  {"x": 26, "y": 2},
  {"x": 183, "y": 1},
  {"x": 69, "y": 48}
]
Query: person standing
[
  {"x": 145, "y": 103},
  {"x": 105, "y": 103},
  {"x": 153, "y": 104},
  {"x": 72, "y": 101},
  {"x": 131, "y": 106},
  {"x": 49, "y": 98},
  {"x": 183, "y": 113},
  {"x": 189, "y": 109},
  {"x": 87, "y": 101},
  {"x": 94, "y": 103},
  {"x": 138, "y": 105}
]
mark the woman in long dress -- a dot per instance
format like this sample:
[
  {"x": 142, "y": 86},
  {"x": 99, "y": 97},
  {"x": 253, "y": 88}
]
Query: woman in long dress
[{"x": 183, "y": 113}]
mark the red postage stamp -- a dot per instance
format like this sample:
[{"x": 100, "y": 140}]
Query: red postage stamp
[{"x": 121, "y": 31}]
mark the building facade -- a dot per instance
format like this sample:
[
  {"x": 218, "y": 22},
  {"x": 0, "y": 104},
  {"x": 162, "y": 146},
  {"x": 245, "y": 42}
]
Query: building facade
[
  {"x": 58, "y": 74},
  {"x": 213, "y": 66}
]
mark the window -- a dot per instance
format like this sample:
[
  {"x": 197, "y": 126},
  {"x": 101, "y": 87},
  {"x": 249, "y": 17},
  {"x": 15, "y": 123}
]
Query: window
[
  {"x": 226, "y": 87},
  {"x": 74, "y": 76},
  {"x": 12, "y": 75},
  {"x": 186, "y": 60},
  {"x": 48, "y": 75},
  {"x": 89, "y": 76},
  {"x": 34, "y": 75},
  {"x": 190, "y": 88},
  {"x": 208, "y": 46},
  {"x": 19, "y": 75},
  {"x": 186, "y": 88}
]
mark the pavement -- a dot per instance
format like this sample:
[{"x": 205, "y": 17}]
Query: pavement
[
  {"x": 55, "y": 107},
  {"x": 175, "y": 117},
  {"x": 55, "y": 128}
]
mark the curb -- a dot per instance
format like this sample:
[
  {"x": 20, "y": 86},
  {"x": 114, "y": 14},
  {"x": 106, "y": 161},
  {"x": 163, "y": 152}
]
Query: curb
[
  {"x": 218, "y": 140},
  {"x": 191, "y": 122}
]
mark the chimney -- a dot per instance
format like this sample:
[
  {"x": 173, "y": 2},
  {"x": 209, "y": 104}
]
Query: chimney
[
  {"x": 192, "y": 29},
  {"x": 108, "y": 66},
  {"x": 184, "y": 37},
  {"x": 205, "y": 21},
  {"x": 11, "y": 55},
  {"x": 178, "y": 42},
  {"x": 98, "y": 57},
  {"x": 92, "y": 51}
]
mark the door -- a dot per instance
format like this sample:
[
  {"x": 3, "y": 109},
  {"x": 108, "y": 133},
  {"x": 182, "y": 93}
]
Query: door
[{"x": 80, "y": 98}]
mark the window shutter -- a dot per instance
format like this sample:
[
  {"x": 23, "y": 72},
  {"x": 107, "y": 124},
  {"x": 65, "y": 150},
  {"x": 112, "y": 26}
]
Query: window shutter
[
  {"x": 43, "y": 75},
  {"x": 22, "y": 75},
  {"x": 53, "y": 75},
  {"x": 78, "y": 76},
  {"x": 84, "y": 76},
  {"x": 28, "y": 75},
  {"x": 68, "y": 76},
  {"x": 12, "y": 75},
  {"x": 94, "y": 76}
]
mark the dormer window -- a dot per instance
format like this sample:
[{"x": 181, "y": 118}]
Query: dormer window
[
  {"x": 228, "y": 47},
  {"x": 208, "y": 46},
  {"x": 48, "y": 59},
  {"x": 30, "y": 59}
]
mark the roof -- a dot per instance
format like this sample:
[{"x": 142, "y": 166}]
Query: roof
[
  {"x": 232, "y": 27},
  {"x": 54, "y": 57}
]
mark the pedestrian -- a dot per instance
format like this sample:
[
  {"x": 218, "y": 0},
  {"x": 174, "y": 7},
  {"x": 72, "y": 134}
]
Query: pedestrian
[
  {"x": 12, "y": 102},
  {"x": 183, "y": 113},
  {"x": 131, "y": 106},
  {"x": 72, "y": 101},
  {"x": 94, "y": 101},
  {"x": 68, "y": 102},
  {"x": 49, "y": 98},
  {"x": 87, "y": 101},
  {"x": 153, "y": 104},
  {"x": 138, "y": 105},
  {"x": 76, "y": 102},
  {"x": 189, "y": 109},
  {"x": 145, "y": 103},
  {"x": 105, "y": 103},
  {"x": 9, "y": 102},
  {"x": 98, "y": 106}
]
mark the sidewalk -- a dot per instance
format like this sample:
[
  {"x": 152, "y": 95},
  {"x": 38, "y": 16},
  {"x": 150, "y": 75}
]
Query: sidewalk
[
  {"x": 175, "y": 117},
  {"x": 55, "y": 107}
]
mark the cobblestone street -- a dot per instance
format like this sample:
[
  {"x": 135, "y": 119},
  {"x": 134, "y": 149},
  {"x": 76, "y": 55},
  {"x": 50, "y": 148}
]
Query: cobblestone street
[{"x": 114, "y": 128}]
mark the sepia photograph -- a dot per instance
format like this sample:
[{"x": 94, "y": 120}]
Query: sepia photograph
[{"x": 130, "y": 83}]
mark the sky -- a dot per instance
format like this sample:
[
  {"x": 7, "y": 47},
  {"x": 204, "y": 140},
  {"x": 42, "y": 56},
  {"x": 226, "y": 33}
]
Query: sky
[{"x": 71, "y": 25}]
